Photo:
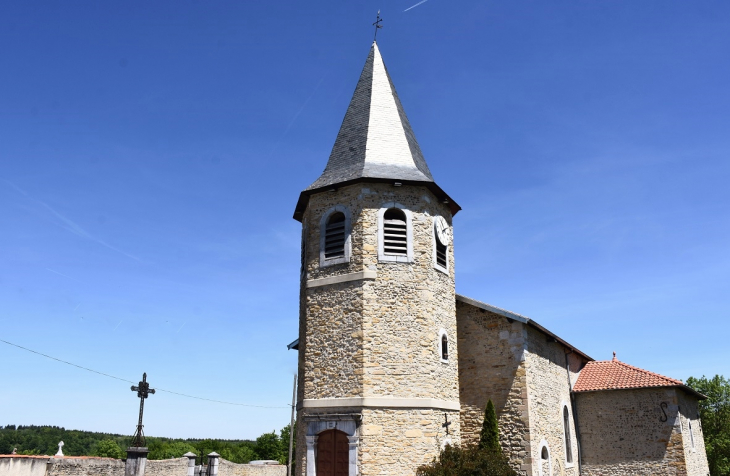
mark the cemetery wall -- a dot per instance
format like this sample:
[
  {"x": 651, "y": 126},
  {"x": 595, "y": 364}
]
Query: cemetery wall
[{"x": 227, "y": 468}]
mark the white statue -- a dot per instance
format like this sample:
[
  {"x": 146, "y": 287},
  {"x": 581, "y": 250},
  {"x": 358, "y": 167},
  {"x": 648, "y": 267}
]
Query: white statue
[{"x": 60, "y": 451}]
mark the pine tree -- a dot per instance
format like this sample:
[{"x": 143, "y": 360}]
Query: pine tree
[{"x": 489, "y": 437}]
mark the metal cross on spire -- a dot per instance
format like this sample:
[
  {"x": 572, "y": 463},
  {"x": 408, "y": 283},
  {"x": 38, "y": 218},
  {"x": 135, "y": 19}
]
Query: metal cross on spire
[
  {"x": 377, "y": 25},
  {"x": 143, "y": 391}
]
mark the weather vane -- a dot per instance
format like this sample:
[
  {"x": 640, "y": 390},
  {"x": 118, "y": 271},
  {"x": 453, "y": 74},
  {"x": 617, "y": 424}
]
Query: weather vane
[{"x": 377, "y": 25}]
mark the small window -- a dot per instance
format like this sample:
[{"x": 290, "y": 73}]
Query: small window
[
  {"x": 395, "y": 232},
  {"x": 334, "y": 238},
  {"x": 691, "y": 435},
  {"x": 444, "y": 347},
  {"x": 566, "y": 427},
  {"x": 544, "y": 454}
]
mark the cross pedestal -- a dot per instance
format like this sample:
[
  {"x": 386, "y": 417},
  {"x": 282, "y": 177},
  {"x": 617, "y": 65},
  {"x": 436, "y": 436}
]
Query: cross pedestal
[{"x": 136, "y": 461}]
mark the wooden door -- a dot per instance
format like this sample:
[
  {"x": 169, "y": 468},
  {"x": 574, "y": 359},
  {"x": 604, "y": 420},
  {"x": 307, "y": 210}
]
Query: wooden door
[{"x": 333, "y": 454}]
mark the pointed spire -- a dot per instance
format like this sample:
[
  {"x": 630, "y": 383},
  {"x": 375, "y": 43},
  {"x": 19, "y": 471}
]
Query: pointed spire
[
  {"x": 375, "y": 142},
  {"x": 375, "y": 139}
]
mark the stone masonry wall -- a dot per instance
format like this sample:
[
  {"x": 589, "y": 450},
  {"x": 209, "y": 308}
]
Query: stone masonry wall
[
  {"x": 19, "y": 465},
  {"x": 694, "y": 445},
  {"x": 492, "y": 366},
  {"x": 166, "y": 467},
  {"x": 228, "y": 468},
  {"x": 377, "y": 337},
  {"x": 396, "y": 442},
  {"x": 548, "y": 387},
  {"x": 630, "y": 432},
  {"x": 402, "y": 310}
]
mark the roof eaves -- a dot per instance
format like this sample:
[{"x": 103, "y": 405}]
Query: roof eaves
[
  {"x": 683, "y": 387},
  {"x": 294, "y": 345},
  {"x": 520, "y": 318},
  {"x": 435, "y": 189}
]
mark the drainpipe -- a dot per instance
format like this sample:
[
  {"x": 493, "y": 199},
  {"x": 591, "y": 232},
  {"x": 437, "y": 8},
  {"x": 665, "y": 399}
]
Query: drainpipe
[{"x": 574, "y": 406}]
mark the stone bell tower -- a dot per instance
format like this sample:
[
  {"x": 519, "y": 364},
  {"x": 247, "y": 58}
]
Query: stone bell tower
[{"x": 378, "y": 374}]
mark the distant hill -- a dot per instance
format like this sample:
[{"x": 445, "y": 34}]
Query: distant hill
[{"x": 40, "y": 440}]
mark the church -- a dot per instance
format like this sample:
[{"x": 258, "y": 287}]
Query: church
[{"x": 394, "y": 364}]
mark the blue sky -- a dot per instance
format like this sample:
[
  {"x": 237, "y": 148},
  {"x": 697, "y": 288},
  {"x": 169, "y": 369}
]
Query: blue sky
[{"x": 151, "y": 154}]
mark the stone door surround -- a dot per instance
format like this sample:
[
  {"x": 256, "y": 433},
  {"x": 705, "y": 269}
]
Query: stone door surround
[{"x": 348, "y": 423}]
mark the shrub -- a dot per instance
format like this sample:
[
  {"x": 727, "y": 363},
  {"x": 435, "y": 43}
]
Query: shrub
[
  {"x": 468, "y": 461},
  {"x": 489, "y": 437}
]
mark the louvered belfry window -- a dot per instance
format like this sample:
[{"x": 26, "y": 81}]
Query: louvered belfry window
[
  {"x": 440, "y": 251},
  {"x": 334, "y": 237},
  {"x": 395, "y": 232}
]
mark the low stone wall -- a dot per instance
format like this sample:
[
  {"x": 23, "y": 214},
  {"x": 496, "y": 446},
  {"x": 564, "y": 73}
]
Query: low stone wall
[
  {"x": 23, "y": 465},
  {"x": 167, "y": 467},
  {"x": 19, "y": 465},
  {"x": 84, "y": 466},
  {"x": 227, "y": 468}
]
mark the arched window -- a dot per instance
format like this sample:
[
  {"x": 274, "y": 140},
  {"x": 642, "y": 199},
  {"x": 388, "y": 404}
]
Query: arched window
[
  {"x": 395, "y": 240},
  {"x": 443, "y": 346},
  {"x": 395, "y": 232},
  {"x": 546, "y": 464},
  {"x": 566, "y": 429},
  {"x": 334, "y": 236}
]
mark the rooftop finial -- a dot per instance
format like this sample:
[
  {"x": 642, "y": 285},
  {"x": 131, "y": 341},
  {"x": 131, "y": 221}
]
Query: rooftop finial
[
  {"x": 614, "y": 356},
  {"x": 377, "y": 25}
]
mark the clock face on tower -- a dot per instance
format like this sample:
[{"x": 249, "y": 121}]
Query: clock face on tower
[{"x": 443, "y": 233}]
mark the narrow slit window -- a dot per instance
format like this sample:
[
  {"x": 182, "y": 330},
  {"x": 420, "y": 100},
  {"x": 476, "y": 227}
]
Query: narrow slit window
[
  {"x": 691, "y": 435},
  {"x": 395, "y": 232},
  {"x": 444, "y": 347},
  {"x": 334, "y": 238},
  {"x": 568, "y": 446}
]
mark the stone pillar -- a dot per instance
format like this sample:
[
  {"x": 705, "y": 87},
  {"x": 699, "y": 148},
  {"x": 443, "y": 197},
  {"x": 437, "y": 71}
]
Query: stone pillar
[
  {"x": 191, "y": 463},
  {"x": 136, "y": 461},
  {"x": 353, "y": 442},
  {"x": 213, "y": 464},
  {"x": 311, "y": 447}
]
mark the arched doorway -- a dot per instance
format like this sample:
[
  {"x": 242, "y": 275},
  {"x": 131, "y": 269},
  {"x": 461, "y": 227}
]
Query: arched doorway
[{"x": 333, "y": 453}]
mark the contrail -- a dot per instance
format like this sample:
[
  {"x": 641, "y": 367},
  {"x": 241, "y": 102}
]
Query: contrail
[
  {"x": 291, "y": 123},
  {"x": 61, "y": 274},
  {"x": 70, "y": 225},
  {"x": 414, "y": 6}
]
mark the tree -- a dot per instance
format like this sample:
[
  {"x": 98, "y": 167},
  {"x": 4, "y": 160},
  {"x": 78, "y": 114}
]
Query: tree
[
  {"x": 284, "y": 442},
  {"x": 489, "y": 437},
  {"x": 715, "y": 415},
  {"x": 268, "y": 446},
  {"x": 170, "y": 450},
  {"x": 468, "y": 461},
  {"x": 108, "y": 449}
]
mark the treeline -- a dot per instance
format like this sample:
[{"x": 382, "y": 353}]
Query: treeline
[{"x": 43, "y": 440}]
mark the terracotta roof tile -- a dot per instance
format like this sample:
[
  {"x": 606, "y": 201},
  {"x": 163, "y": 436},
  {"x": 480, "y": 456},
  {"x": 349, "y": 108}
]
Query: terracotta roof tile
[{"x": 614, "y": 374}]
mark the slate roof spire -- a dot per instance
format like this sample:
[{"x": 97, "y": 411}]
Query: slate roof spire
[{"x": 375, "y": 141}]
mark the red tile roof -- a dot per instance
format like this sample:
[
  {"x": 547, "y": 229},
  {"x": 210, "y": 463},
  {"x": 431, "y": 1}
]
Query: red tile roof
[{"x": 615, "y": 375}]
